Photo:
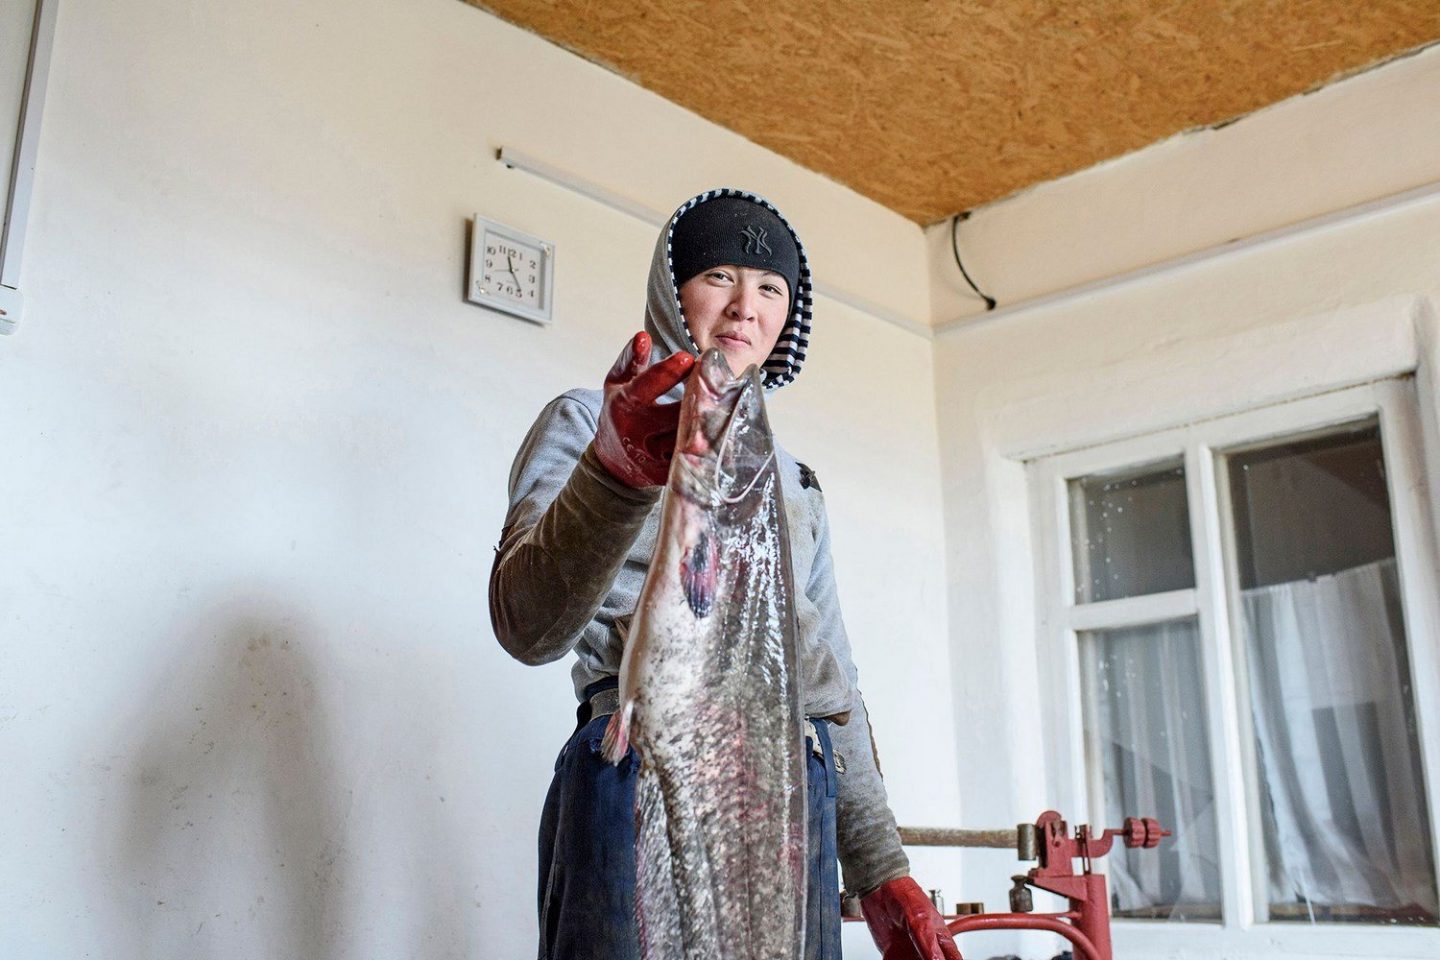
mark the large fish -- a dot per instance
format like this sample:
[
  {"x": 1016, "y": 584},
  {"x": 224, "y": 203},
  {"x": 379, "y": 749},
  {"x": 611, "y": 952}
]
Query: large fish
[{"x": 709, "y": 694}]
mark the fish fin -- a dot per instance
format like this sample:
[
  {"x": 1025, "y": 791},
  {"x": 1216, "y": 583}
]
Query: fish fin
[
  {"x": 617, "y": 734},
  {"x": 697, "y": 575}
]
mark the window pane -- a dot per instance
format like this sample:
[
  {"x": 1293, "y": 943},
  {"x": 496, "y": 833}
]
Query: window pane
[
  {"x": 1148, "y": 747},
  {"x": 1342, "y": 799},
  {"x": 1130, "y": 533},
  {"x": 1310, "y": 507}
]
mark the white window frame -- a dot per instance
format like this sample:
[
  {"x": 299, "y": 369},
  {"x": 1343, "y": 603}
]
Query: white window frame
[
  {"x": 15, "y": 203},
  {"x": 1213, "y": 602}
]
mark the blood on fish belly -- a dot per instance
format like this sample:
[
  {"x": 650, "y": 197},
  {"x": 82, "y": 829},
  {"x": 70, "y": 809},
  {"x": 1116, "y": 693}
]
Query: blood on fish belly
[
  {"x": 709, "y": 695},
  {"x": 697, "y": 574}
]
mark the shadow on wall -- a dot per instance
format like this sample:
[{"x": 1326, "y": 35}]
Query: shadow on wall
[{"x": 229, "y": 838}]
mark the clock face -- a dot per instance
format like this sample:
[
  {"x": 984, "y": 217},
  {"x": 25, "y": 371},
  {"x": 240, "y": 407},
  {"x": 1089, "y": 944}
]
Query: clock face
[
  {"x": 510, "y": 271},
  {"x": 513, "y": 269}
]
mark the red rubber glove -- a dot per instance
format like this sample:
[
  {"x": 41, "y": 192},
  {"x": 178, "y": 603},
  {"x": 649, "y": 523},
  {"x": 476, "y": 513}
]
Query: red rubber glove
[
  {"x": 905, "y": 924},
  {"x": 636, "y": 436}
]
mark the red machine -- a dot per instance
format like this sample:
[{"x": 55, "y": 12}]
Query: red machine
[{"x": 1087, "y": 923}]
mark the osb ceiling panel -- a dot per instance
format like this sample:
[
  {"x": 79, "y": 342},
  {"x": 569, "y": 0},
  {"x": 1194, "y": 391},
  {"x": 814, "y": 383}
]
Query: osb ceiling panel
[{"x": 935, "y": 107}]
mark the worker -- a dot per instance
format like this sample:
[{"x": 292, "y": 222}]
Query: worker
[{"x": 730, "y": 273}]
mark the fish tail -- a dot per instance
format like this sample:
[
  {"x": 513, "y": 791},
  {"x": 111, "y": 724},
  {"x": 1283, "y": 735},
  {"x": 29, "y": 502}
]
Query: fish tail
[{"x": 617, "y": 733}]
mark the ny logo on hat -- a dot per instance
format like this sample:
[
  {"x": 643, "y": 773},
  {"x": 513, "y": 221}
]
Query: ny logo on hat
[{"x": 755, "y": 240}]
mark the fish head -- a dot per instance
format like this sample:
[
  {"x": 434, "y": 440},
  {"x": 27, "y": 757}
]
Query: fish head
[{"x": 723, "y": 444}]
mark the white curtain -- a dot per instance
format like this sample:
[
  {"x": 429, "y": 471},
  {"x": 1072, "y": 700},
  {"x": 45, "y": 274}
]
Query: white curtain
[
  {"x": 1145, "y": 722},
  {"x": 1330, "y": 694}
]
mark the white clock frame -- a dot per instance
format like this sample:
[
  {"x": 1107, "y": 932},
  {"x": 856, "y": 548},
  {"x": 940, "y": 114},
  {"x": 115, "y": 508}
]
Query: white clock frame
[{"x": 476, "y": 290}]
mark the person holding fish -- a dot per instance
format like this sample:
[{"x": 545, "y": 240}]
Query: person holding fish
[{"x": 723, "y": 761}]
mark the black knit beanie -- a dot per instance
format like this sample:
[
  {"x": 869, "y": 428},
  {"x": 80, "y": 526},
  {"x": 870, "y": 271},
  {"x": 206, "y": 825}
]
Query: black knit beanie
[{"x": 737, "y": 231}]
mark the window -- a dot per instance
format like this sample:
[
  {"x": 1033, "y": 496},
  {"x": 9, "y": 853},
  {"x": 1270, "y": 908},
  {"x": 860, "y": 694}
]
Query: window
[
  {"x": 1143, "y": 718},
  {"x": 1224, "y": 609},
  {"x": 1331, "y": 705}
]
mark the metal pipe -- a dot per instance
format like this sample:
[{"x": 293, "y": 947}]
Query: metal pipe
[
  {"x": 955, "y": 837},
  {"x": 1025, "y": 921}
]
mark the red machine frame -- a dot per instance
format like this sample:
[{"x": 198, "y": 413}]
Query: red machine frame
[{"x": 1086, "y": 924}]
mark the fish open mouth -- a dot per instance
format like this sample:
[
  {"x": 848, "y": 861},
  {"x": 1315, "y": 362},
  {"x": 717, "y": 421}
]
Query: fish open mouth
[{"x": 724, "y": 443}]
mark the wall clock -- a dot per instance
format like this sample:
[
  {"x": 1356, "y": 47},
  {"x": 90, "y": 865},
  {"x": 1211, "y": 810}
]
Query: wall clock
[{"x": 511, "y": 271}]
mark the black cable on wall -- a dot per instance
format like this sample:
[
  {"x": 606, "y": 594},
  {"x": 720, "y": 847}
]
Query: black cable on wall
[{"x": 955, "y": 249}]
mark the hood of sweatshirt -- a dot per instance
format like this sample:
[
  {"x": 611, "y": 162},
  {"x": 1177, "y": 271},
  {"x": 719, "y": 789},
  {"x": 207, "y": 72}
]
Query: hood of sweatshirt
[{"x": 665, "y": 320}]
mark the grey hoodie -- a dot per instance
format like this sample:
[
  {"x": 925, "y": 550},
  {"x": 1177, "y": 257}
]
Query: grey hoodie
[{"x": 577, "y": 544}]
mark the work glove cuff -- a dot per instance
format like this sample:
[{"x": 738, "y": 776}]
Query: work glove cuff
[{"x": 905, "y": 924}]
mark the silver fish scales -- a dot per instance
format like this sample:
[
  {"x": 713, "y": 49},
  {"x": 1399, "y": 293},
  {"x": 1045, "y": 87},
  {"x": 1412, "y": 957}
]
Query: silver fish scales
[{"x": 710, "y": 697}]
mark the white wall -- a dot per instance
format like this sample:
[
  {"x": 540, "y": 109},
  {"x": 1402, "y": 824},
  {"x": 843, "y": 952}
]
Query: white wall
[
  {"x": 1128, "y": 360},
  {"x": 253, "y": 454}
]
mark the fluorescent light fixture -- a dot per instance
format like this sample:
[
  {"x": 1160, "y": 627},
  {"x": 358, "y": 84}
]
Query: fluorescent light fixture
[
  {"x": 516, "y": 160},
  {"x": 22, "y": 174}
]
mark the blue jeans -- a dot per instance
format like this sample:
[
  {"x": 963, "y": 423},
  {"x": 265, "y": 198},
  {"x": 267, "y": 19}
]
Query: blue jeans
[{"x": 587, "y": 854}]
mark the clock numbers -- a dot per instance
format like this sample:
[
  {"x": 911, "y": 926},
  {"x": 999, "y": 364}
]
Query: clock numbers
[{"x": 512, "y": 271}]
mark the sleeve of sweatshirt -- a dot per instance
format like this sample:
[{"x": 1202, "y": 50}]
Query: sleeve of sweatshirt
[
  {"x": 866, "y": 834},
  {"x": 567, "y": 532}
]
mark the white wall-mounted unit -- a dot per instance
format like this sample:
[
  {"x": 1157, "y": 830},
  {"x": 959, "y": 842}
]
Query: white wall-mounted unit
[{"x": 27, "y": 28}]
